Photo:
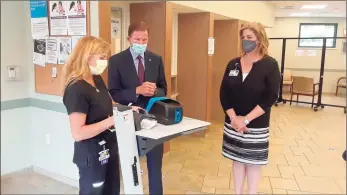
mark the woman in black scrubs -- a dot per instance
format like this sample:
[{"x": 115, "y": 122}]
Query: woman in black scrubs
[
  {"x": 248, "y": 90},
  {"x": 89, "y": 106}
]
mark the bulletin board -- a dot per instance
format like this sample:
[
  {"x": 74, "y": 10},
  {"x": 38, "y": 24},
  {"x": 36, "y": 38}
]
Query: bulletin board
[{"x": 44, "y": 82}]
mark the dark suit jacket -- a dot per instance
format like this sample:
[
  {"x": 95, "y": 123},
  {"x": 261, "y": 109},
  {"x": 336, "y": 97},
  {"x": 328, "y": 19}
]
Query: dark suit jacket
[{"x": 123, "y": 79}]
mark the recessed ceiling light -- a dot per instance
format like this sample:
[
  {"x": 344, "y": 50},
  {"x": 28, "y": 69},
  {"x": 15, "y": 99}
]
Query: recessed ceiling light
[
  {"x": 300, "y": 14},
  {"x": 313, "y": 6}
]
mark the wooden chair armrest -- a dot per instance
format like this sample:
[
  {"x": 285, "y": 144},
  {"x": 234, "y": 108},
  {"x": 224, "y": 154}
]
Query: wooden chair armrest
[
  {"x": 314, "y": 86},
  {"x": 338, "y": 81}
]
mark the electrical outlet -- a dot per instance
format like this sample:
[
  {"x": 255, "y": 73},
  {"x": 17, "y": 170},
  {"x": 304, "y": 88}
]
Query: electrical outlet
[{"x": 48, "y": 139}]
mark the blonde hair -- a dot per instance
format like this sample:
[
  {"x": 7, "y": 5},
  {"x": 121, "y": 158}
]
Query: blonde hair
[
  {"x": 260, "y": 33},
  {"x": 77, "y": 67}
]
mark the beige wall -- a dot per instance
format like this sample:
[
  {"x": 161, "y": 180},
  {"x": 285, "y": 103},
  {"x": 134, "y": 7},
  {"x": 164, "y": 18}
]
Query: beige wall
[
  {"x": 335, "y": 62},
  {"x": 242, "y": 10}
]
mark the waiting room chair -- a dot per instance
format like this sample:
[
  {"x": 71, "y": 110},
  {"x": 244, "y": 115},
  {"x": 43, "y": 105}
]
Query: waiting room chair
[
  {"x": 288, "y": 79},
  {"x": 304, "y": 86},
  {"x": 341, "y": 83}
]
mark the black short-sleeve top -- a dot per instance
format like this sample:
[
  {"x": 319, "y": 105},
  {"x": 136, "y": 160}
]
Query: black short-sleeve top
[
  {"x": 260, "y": 87},
  {"x": 95, "y": 102}
]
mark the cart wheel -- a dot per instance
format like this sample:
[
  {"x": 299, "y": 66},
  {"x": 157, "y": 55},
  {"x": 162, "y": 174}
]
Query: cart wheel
[
  {"x": 315, "y": 109},
  {"x": 276, "y": 104},
  {"x": 322, "y": 106},
  {"x": 284, "y": 101}
]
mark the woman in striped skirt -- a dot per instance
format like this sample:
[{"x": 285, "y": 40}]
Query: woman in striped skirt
[{"x": 248, "y": 90}]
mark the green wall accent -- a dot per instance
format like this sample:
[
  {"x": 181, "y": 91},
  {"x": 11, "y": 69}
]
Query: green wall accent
[{"x": 32, "y": 102}]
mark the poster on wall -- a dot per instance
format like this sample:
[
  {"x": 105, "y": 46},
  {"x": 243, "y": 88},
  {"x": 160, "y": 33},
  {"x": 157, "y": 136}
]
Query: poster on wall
[
  {"x": 311, "y": 53},
  {"x": 299, "y": 52},
  {"x": 115, "y": 28},
  {"x": 39, "y": 56},
  {"x": 64, "y": 49},
  {"x": 52, "y": 50},
  {"x": 77, "y": 20},
  {"x": 39, "y": 20},
  {"x": 58, "y": 18}
]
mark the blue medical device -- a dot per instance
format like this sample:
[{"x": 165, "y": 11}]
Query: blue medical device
[{"x": 166, "y": 111}]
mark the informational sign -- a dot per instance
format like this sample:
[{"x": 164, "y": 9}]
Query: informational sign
[
  {"x": 39, "y": 52},
  {"x": 77, "y": 20},
  {"x": 58, "y": 18},
  {"x": 299, "y": 52},
  {"x": 64, "y": 49},
  {"x": 39, "y": 20},
  {"x": 311, "y": 52},
  {"x": 115, "y": 28},
  {"x": 211, "y": 46},
  {"x": 52, "y": 50}
]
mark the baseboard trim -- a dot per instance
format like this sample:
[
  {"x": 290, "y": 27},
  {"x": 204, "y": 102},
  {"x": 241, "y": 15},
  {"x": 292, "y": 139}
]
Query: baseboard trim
[
  {"x": 26, "y": 169},
  {"x": 63, "y": 179}
]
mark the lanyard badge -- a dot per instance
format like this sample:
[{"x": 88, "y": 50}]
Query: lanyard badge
[
  {"x": 104, "y": 154},
  {"x": 234, "y": 72}
]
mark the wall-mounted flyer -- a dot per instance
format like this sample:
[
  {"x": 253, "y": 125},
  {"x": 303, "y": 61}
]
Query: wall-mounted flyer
[
  {"x": 58, "y": 18},
  {"x": 64, "y": 49},
  {"x": 39, "y": 56},
  {"x": 77, "y": 17},
  {"x": 52, "y": 50},
  {"x": 39, "y": 20}
]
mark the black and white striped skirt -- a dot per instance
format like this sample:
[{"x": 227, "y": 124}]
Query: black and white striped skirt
[{"x": 249, "y": 148}]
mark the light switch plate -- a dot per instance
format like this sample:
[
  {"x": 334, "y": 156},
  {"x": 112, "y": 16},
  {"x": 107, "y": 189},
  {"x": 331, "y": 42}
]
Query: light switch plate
[
  {"x": 48, "y": 139},
  {"x": 54, "y": 72}
]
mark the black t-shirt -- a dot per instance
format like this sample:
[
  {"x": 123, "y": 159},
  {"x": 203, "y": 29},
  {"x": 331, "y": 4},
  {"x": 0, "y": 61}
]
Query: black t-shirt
[
  {"x": 96, "y": 103},
  {"x": 260, "y": 87},
  {"x": 82, "y": 97}
]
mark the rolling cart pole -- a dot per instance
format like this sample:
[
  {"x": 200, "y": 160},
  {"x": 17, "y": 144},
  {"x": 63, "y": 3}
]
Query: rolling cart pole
[
  {"x": 321, "y": 76},
  {"x": 280, "y": 98}
]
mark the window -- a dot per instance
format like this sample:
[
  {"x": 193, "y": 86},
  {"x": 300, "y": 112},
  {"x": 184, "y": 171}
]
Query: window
[{"x": 317, "y": 30}]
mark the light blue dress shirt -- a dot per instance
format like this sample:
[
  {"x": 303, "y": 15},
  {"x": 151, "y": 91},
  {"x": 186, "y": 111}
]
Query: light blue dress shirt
[{"x": 136, "y": 61}]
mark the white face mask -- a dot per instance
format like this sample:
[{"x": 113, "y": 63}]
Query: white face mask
[{"x": 99, "y": 68}]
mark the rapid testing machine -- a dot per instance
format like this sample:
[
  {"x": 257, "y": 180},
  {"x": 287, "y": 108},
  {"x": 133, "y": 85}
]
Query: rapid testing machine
[{"x": 132, "y": 143}]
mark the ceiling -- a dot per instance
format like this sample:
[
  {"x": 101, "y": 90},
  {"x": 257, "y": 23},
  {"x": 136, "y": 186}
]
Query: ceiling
[{"x": 292, "y": 9}]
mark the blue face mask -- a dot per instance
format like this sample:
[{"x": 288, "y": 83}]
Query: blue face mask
[{"x": 139, "y": 48}]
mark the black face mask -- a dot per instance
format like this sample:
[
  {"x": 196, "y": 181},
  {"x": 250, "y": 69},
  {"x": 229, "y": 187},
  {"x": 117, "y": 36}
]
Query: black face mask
[{"x": 248, "y": 46}]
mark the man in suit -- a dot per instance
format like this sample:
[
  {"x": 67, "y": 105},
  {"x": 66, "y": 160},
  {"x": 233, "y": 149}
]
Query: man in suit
[{"x": 134, "y": 76}]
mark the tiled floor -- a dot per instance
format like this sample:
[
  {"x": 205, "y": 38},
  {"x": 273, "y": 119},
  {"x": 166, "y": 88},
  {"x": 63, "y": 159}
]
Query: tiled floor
[{"x": 305, "y": 158}]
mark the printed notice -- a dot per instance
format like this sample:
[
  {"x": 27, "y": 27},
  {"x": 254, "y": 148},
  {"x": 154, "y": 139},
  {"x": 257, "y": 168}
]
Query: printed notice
[
  {"x": 39, "y": 56},
  {"x": 52, "y": 50},
  {"x": 115, "y": 28},
  {"x": 77, "y": 21},
  {"x": 64, "y": 49},
  {"x": 39, "y": 20},
  {"x": 311, "y": 52},
  {"x": 58, "y": 18},
  {"x": 299, "y": 52}
]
